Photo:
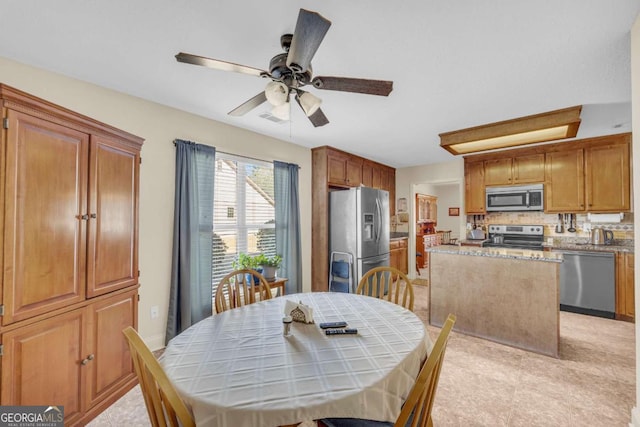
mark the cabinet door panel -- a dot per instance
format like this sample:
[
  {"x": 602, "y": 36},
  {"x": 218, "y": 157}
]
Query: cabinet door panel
[
  {"x": 376, "y": 178},
  {"x": 367, "y": 174},
  {"x": 630, "y": 303},
  {"x": 45, "y": 240},
  {"x": 608, "y": 178},
  {"x": 564, "y": 177},
  {"x": 354, "y": 172},
  {"x": 497, "y": 172},
  {"x": 113, "y": 239},
  {"x": 112, "y": 365},
  {"x": 336, "y": 170},
  {"x": 528, "y": 169},
  {"x": 474, "y": 188},
  {"x": 41, "y": 364}
]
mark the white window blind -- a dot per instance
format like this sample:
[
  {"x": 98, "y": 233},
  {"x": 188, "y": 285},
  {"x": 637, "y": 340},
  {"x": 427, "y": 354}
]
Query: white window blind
[{"x": 244, "y": 214}]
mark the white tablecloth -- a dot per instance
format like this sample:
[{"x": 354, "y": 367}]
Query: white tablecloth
[{"x": 237, "y": 369}]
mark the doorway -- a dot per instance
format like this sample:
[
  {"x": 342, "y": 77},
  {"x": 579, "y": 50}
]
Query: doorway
[{"x": 449, "y": 196}]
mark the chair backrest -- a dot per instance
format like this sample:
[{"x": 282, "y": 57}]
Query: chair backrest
[
  {"x": 164, "y": 404},
  {"x": 387, "y": 283},
  {"x": 241, "y": 287},
  {"x": 420, "y": 400}
]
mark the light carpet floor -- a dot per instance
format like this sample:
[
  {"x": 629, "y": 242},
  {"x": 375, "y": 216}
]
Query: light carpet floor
[{"x": 487, "y": 384}]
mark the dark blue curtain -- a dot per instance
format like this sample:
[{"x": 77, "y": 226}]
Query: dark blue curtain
[
  {"x": 190, "y": 295},
  {"x": 288, "y": 224}
]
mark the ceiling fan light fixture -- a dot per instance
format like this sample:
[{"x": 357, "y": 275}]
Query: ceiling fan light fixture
[
  {"x": 309, "y": 103},
  {"x": 544, "y": 127},
  {"x": 282, "y": 111},
  {"x": 277, "y": 93}
]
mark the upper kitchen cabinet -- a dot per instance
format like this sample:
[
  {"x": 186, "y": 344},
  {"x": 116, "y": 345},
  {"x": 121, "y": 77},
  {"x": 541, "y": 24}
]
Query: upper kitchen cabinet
[
  {"x": 564, "y": 173},
  {"x": 608, "y": 177},
  {"x": 343, "y": 170},
  {"x": 332, "y": 170},
  {"x": 514, "y": 170},
  {"x": 587, "y": 175},
  {"x": 590, "y": 175},
  {"x": 474, "y": 187},
  {"x": 426, "y": 208}
]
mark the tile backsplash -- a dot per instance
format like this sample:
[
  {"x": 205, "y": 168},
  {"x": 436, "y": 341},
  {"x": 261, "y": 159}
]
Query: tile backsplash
[{"x": 621, "y": 230}]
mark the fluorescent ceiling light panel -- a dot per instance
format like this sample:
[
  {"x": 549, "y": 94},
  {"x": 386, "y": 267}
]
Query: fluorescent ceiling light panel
[{"x": 551, "y": 126}]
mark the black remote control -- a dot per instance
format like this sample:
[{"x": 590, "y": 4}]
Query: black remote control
[
  {"x": 351, "y": 331},
  {"x": 328, "y": 325}
]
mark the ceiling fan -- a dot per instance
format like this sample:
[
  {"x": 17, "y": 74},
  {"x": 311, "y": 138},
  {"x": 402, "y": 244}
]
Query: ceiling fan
[{"x": 291, "y": 71}]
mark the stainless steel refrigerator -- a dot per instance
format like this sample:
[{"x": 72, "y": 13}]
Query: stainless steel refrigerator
[{"x": 359, "y": 226}]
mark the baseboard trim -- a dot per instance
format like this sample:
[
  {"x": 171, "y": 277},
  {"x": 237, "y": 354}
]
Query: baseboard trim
[{"x": 635, "y": 417}]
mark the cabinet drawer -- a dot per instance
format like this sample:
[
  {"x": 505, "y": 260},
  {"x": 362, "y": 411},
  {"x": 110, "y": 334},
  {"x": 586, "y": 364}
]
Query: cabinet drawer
[{"x": 397, "y": 244}]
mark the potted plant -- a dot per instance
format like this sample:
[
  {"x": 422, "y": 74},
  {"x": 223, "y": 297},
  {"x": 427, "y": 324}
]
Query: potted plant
[
  {"x": 247, "y": 262},
  {"x": 270, "y": 265}
]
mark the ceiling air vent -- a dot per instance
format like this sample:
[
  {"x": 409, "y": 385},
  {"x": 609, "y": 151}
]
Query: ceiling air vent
[{"x": 271, "y": 117}]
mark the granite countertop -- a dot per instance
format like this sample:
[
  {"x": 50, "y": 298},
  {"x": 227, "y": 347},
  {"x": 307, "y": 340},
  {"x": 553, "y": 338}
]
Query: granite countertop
[
  {"x": 397, "y": 235},
  {"x": 616, "y": 246},
  {"x": 523, "y": 254}
]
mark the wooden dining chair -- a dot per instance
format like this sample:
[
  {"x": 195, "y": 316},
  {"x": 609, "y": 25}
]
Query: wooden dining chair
[
  {"x": 164, "y": 404},
  {"x": 241, "y": 287},
  {"x": 387, "y": 283},
  {"x": 416, "y": 410}
]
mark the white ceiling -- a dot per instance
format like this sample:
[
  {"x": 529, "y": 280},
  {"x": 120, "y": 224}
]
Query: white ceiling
[{"x": 454, "y": 64}]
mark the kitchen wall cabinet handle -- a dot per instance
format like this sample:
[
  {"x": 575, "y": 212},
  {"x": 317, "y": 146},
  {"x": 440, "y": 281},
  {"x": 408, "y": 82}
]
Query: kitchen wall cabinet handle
[
  {"x": 84, "y": 217},
  {"x": 94, "y": 215},
  {"x": 87, "y": 360}
]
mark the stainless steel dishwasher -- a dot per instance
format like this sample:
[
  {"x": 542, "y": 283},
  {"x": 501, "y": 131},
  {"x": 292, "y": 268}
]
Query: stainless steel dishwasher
[{"x": 587, "y": 283}]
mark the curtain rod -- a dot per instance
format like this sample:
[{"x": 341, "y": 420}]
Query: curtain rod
[{"x": 240, "y": 155}]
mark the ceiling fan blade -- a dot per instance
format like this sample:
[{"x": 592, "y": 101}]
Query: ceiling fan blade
[
  {"x": 188, "y": 58},
  {"x": 310, "y": 30},
  {"x": 249, "y": 105},
  {"x": 317, "y": 118},
  {"x": 346, "y": 84}
]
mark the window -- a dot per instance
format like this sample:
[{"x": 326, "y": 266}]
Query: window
[{"x": 244, "y": 213}]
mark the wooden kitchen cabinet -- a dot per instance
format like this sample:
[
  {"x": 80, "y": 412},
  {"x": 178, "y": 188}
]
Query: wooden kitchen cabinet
[
  {"x": 70, "y": 257},
  {"x": 334, "y": 169},
  {"x": 41, "y": 364},
  {"x": 593, "y": 178},
  {"x": 625, "y": 293},
  {"x": 528, "y": 169},
  {"x": 367, "y": 173},
  {"x": 399, "y": 254},
  {"x": 608, "y": 178},
  {"x": 514, "y": 170},
  {"x": 426, "y": 209},
  {"x": 588, "y": 175},
  {"x": 87, "y": 358},
  {"x": 498, "y": 172},
  {"x": 564, "y": 176},
  {"x": 474, "y": 188},
  {"x": 337, "y": 169}
]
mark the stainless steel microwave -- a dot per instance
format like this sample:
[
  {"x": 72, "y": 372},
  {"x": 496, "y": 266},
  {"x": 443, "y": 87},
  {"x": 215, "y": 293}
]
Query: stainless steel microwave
[{"x": 515, "y": 198}]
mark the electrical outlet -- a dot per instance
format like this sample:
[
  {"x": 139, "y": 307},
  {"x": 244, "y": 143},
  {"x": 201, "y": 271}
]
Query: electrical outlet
[{"x": 155, "y": 312}]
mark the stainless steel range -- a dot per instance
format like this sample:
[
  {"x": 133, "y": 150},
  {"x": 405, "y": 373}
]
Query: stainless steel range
[{"x": 515, "y": 236}]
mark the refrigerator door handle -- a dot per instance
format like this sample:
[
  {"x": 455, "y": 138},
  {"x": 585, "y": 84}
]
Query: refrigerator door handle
[
  {"x": 372, "y": 261},
  {"x": 378, "y": 220}
]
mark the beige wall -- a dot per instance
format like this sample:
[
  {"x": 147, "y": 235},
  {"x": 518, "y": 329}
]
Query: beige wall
[
  {"x": 411, "y": 180},
  {"x": 635, "y": 125},
  {"x": 159, "y": 126}
]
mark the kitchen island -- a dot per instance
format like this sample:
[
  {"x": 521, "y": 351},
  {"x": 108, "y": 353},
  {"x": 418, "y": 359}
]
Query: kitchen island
[{"x": 508, "y": 296}]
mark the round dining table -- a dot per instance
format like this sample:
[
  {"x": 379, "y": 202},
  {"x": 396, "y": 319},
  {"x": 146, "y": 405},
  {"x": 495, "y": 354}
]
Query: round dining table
[{"x": 236, "y": 368}]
